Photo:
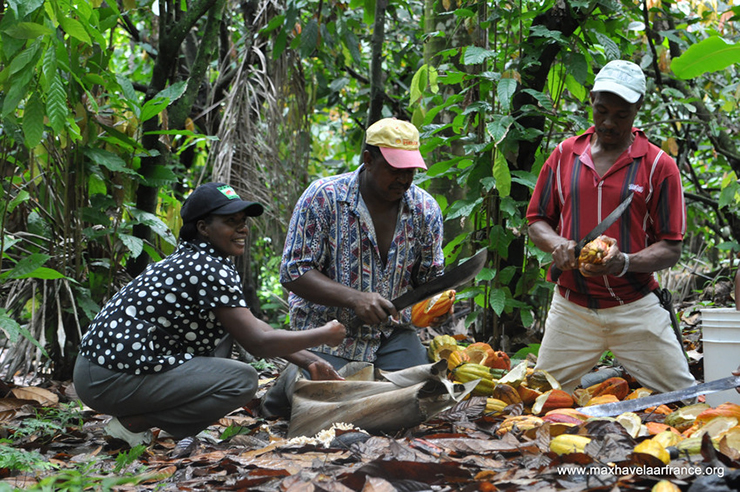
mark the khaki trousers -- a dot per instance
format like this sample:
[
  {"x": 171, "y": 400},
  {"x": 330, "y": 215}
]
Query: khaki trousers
[{"x": 639, "y": 334}]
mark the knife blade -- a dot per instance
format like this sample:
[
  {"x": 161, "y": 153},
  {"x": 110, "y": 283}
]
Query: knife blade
[
  {"x": 618, "y": 408},
  {"x": 597, "y": 231},
  {"x": 449, "y": 280}
]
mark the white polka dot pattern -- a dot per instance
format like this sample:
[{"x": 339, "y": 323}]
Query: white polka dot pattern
[{"x": 164, "y": 317}]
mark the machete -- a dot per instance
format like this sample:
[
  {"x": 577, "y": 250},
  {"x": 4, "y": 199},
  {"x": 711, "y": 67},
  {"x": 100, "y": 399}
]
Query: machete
[
  {"x": 619, "y": 407},
  {"x": 449, "y": 280},
  {"x": 597, "y": 231}
]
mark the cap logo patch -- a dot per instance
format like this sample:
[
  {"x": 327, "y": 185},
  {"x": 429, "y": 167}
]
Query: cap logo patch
[{"x": 229, "y": 192}]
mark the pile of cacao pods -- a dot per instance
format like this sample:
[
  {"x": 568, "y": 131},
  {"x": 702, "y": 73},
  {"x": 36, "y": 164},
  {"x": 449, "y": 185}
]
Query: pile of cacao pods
[{"x": 524, "y": 399}]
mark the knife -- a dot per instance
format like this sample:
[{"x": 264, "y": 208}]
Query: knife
[
  {"x": 449, "y": 280},
  {"x": 619, "y": 407},
  {"x": 597, "y": 231}
]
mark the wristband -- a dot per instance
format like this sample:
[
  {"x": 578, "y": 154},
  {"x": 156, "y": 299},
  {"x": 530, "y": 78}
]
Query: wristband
[{"x": 626, "y": 264}]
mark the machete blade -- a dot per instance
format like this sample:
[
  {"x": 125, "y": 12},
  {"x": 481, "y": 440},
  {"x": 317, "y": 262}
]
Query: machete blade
[
  {"x": 618, "y": 408},
  {"x": 449, "y": 280}
]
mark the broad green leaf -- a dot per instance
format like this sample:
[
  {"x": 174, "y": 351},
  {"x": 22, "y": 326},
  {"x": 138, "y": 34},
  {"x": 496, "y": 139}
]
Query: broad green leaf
[
  {"x": 353, "y": 45},
  {"x": 280, "y": 42},
  {"x": 109, "y": 160},
  {"x": 26, "y": 266},
  {"x": 463, "y": 208},
  {"x": 475, "y": 55},
  {"x": 10, "y": 326},
  {"x": 173, "y": 92},
  {"x": 24, "y": 59},
  {"x": 418, "y": 84},
  {"x": 33, "y": 121},
  {"x": 75, "y": 29},
  {"x": 709, "y": 55},
  {"x": 499, "y": 127},
  {"x": 729, "y": 193},
  {"x": 610, "y": 47},
  {"x": 130, "y": 94},
  {"x": 96, "y": 185},
  {"x": 56, "y": 104},
  {"x": 274, "y": 23},
  {"x": 542, "y": 99},
  {"x": 505, "y": 91},
  {"x": 155, "y": 223},
  {"x": 21, "y": 197},
  {"x": 497, "y": 298},
  {"x": 133, "y": 244},
  {"x": 28, "y": 30},
  {"x": 309, "y": 38},
  {"x": 160, "y": 176},
  {"x": 152, "y": 108},
  {"x": 49, "y": 66},
  {"x": 368, "y": 15},
  {"x": 502, "y": 174},
  {"x": 43, "y": 273}
]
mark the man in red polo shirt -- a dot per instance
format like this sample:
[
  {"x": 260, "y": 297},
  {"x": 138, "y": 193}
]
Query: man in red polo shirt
[{"x": 610, "y": 306}]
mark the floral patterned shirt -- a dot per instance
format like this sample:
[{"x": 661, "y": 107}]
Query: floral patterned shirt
[{"x": 331, "y": 231}]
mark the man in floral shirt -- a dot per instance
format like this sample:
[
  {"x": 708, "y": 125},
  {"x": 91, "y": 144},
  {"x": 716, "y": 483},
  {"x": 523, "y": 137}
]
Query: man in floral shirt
[{"x": 358, "y": 240}]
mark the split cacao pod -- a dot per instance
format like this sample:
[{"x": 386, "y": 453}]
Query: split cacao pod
[
  {"x": 616, "y": 386},
  {"x": 519, "y": 423},
  {"x": 595, "y": 251},
  {"x": 550, "y": 400},
  {"x": 441, "y": 347},
  {"x": 424, "y": 312},
  {"x": 723, "y": 410},
  {"x": 506, "y": 392}
]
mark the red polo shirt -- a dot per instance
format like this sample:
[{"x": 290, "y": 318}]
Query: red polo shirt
[{"x": 573, "y": 199}]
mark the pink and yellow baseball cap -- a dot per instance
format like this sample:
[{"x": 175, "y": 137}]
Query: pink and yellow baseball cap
[{"x": 398, "y": 141}]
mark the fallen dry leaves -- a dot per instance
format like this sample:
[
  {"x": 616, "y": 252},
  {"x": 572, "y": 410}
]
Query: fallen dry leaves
[{"x": 457, "y": 450}]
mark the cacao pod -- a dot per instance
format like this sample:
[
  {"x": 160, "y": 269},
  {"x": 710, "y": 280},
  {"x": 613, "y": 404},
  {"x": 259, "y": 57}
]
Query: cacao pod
[
  {"x": 685, "y": 417},
  {"x": 519, "y": 423},
  {"x": 441, "y": 347},
  {"x": 600, "y": 400},
  {"x": 665, "y": 486},
  {"x": 500, "y": 360},
  {"x": 469, "y": 371},
  {"x": 551, "y": 400},
  {"x": 616, "y": 386},
  {"x": 506, "y": 392},
  {"x": 653, "y": 448},
  {"x": 723, "y": 410},
  {"x": 570, "y": 412},
  {"x": 595, "y": 251},
  {"x": 527, "y": 394},
  {"x": 495, "y": 406},
  {"x": 568, "y": 443},
  {"x": 668, "y": 438},
  {"x": 456, "y": 358},
  {"x": 424, "y": 312},
  {"x": 639, "y": 393},
  {"x": 541, "y": 380}
]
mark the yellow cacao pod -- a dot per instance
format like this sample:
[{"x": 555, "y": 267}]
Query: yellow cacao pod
[
  {"x": 495, "y": 406},
  {"x": 456, "y": 358},
  {"x": 424, "y": 312},
  {"x": 469, "y": 371},
  {"x": 441, "y": 347},
  {"x": 519, "y": 423},
  {"x": 568, "y": 443},
  {"x": 653, "y": 448},
  {"x": 665, "y": 486},
  {"x": 595, "y": 251}
]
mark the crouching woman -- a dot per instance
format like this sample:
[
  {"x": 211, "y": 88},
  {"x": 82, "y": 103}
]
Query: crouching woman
[{"x": 158, "y": 353}]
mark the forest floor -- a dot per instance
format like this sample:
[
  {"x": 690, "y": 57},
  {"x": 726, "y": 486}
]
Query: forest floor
[{"x": 52, "y": 442}]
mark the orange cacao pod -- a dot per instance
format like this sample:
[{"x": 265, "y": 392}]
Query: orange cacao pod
[
  {"x": 424, "y": 312},
  {"x": 551, "y": 400},
  {"x": 616, "y": 386}
]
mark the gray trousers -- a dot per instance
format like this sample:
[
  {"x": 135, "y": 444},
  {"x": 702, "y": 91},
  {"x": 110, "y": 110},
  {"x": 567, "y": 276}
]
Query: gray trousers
[{"x": 182, "y": 401}]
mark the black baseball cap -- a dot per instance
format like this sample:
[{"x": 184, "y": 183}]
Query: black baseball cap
[{"x": 219, "y": 199}]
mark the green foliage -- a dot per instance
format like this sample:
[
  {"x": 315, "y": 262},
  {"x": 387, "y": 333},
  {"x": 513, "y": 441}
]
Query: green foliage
[
  {"x": 124, "y": 459},
  {"x": 21, "y": 460}
]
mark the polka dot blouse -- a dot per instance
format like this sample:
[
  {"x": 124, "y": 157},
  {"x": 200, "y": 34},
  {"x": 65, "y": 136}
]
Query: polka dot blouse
[{"x": 164, "y": 317}]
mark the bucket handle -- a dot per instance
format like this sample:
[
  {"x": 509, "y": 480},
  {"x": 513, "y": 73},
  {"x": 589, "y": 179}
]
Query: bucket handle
[{"x": 719, "y": 341}]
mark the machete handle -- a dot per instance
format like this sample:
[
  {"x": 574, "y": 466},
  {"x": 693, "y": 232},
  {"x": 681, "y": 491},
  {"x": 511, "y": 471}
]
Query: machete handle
[{"x": 555, "y": 273}]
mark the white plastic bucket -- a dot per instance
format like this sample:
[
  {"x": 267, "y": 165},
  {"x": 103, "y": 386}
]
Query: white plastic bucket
[{"x": 721, "y": 340}]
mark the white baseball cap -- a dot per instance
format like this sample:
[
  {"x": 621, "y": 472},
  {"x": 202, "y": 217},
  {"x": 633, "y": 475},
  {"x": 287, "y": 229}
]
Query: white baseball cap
[{"x": 622, "y": 78}]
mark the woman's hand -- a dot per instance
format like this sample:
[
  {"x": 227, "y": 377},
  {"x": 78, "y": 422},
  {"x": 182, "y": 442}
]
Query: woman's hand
[{"x": 320, "y": 370}]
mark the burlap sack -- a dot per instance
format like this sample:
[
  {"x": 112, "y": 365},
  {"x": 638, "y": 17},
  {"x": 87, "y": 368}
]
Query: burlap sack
[{"x": 375, "y": 401}]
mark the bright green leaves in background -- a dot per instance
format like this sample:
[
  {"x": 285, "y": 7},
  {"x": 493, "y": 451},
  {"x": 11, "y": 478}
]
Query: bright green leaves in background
[{"x": 709, "y": 55}]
